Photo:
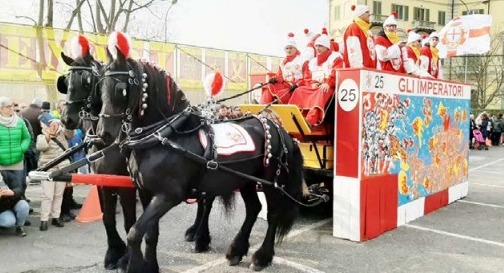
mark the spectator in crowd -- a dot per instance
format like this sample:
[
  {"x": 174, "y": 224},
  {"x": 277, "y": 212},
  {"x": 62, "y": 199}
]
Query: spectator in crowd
[
  {"x": 497, "y": 129},
  {"x": 472, "y": 126},
  {"x": 51, "y": 143},
  {"x": 30, "y": 156},
  {"x": 22, "y": 106},
  {"x": 483, "y": 123},
  {"x": 14, "y": 142},
  {"x": 13, "y": 208},
  {"x": 75, "y": 138},
  {"x": 31, "y": 113},
  {"x": 58, "y": 109}
]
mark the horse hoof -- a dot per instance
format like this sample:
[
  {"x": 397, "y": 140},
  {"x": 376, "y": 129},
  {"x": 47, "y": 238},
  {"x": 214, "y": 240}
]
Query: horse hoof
[
  {"x": 201, "y": 249},
  {"x": 111, "y": 266},
  {"x": 189, "y": 238},
  {"x": 257, "y": 267},
  {"x": 234, "y": 261}
]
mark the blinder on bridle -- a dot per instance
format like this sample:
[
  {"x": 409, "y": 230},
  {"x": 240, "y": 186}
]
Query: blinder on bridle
[
  {"x": 121, "y": 91},
  {"x": 88, "y": 76}
]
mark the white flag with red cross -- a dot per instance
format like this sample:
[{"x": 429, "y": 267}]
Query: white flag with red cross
[{"x": 468, "y": 34}]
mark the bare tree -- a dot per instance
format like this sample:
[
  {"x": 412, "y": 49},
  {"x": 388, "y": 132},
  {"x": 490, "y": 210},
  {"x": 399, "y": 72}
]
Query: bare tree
[
  {"x": 50, "y": 13},
  {"x": 116, "y": 15},
  {"x": 484, "y": 72}
]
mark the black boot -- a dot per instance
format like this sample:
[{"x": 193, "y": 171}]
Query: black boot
[
  {"x": 57, "y": 222},
  {"x": 43, "y": 225},
  {"x": 20, "y": 231}
]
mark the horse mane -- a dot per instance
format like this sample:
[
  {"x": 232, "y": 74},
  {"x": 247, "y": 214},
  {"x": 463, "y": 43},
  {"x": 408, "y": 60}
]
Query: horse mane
[{"x": 164, "y": 97}]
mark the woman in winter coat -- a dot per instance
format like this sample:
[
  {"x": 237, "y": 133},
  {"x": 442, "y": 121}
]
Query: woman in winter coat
[
  {"x": 14, "y": 142},
  {"x": 51, "y": 143}
]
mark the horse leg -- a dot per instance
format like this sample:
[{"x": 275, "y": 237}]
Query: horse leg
[
  {"x": 127, "y": 198},
  {"x": 240, "y": 245},
  {"x": 191, "y": 231},
  {"x": 202, "y": 235},
  {"x": 116, "y": 246},
  {"x": 264, "y": 255},
  {"x": 158, "y": 206},
  {"x": 152, "y": 234}
]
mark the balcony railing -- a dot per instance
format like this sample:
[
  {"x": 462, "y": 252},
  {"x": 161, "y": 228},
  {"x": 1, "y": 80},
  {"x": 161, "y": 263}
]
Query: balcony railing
[{"x": 420, "y": 23}]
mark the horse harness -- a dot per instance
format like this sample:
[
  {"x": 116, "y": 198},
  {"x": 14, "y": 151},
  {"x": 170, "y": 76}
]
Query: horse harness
[{"x": 160, "y": 132}]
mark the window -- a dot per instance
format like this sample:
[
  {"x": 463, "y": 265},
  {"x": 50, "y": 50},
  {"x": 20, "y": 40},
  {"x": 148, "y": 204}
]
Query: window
[
  {"x": 473, "y": 11},
  {"x": 402, "y": 11},
  {"x": 420, "y": 14},
  {"x": 441, "y": 18},
  {"x": 337, "y": 12},
  {"x": 377, "y": 8}
]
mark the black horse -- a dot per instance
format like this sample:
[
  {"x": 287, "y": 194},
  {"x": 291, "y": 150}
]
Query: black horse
[
  {"x": 167, "y": 159},
  {"x": 82, "y": 107}
]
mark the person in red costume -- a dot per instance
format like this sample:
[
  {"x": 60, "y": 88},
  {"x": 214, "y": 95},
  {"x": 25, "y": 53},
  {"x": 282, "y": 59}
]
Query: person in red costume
[
  {"x": 411, "y": 55},
  {"x": 289, "y": 75},
  {"x": 429, "y": 57},
  {"x": 388, "y": 47},
  {"x": 309, "y": 51},
  {"x": 358, "y": 40},
  {"x": 320, "y": 82}
]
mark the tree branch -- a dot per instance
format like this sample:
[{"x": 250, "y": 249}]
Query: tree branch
[{"x": 74, "y": 14}]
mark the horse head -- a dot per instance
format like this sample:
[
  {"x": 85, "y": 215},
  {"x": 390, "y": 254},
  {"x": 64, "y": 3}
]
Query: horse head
[
  {"x": 134, "y": 93},
  {"x": 81, "y": 87}
]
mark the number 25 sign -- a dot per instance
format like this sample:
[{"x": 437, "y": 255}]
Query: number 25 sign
[{"x": 348, "y": 94}]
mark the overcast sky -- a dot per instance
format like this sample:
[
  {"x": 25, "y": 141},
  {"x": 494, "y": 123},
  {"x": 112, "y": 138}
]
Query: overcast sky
[{"x": 259, "y": 26}]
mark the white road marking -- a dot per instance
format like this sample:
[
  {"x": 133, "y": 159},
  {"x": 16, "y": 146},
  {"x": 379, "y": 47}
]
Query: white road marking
[
  {"x": 486, "y": 165},
  {"x": 486, "y": 185},
  {"x": 481, "y": 204},
  {"x": 297, "y": 232},
  {"x": 300, "y": 267},
  {"x": 456, "y": 235}
]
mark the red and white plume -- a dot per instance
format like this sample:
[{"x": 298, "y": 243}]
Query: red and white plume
[
  {"x": 214, "y": 84},
  {"x": 79, "y": 46},
  {"x": 119, "y": 41},
  {"x": 324, "y": 31}
]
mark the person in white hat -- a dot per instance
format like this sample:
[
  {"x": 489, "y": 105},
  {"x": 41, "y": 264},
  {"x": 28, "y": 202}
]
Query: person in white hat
[
  {"x": 358, "y": 40},
  {"x": 411, "y": 55},
  {"x": 320, "y": 83},
  {"x": 289, "y": 76},
  {"x": 388, "y": 47},
  {"x": 429, "y": 57}
]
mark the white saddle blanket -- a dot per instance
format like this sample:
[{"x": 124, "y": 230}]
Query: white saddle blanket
[{"x": 229, "y": 139}]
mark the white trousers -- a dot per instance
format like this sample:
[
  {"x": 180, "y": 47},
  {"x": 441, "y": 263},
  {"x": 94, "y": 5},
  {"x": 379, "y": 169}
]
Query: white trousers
[{"x": 51, "y": 199}]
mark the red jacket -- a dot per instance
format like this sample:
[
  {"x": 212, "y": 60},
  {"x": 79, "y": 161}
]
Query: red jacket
[
  {"x": 389, "y": 55},
  {"x": 359, "y": 49}
]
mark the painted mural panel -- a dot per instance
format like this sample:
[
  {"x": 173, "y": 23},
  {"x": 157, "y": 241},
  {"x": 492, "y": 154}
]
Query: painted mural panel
[{"x": 417, "y": 129}]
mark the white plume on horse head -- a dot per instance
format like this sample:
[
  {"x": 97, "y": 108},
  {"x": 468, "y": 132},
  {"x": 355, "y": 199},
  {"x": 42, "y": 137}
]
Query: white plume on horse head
[
  {"x": 79, "y": 46},
  {"x": 119, "y": 41}
]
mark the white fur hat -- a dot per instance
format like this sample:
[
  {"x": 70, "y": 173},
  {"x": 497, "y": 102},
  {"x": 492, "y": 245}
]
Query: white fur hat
[
  {"x": 290, "y": 40},
  {"x": 434, "y": 34},
  {"x": 359, "y": 10},
  {"x": 391, "y": 20},
  {"x": 413, "y": 36},
  {"x": 323, "y": 40}
]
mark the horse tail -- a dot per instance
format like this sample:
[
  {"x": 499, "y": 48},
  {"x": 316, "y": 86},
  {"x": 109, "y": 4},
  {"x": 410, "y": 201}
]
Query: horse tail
[
  {"x": 228, "y": 201},
  {"x": 294, "y": 187}
]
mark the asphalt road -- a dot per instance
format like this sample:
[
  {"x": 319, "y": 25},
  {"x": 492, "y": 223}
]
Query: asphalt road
[{"x": 466, "y": 236}]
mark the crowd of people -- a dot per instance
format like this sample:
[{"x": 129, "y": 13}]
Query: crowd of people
[
  {"x": 308, "y": 80},
  {"x": 30, "y": 136},
  {"x": 486, "y": 130}
]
